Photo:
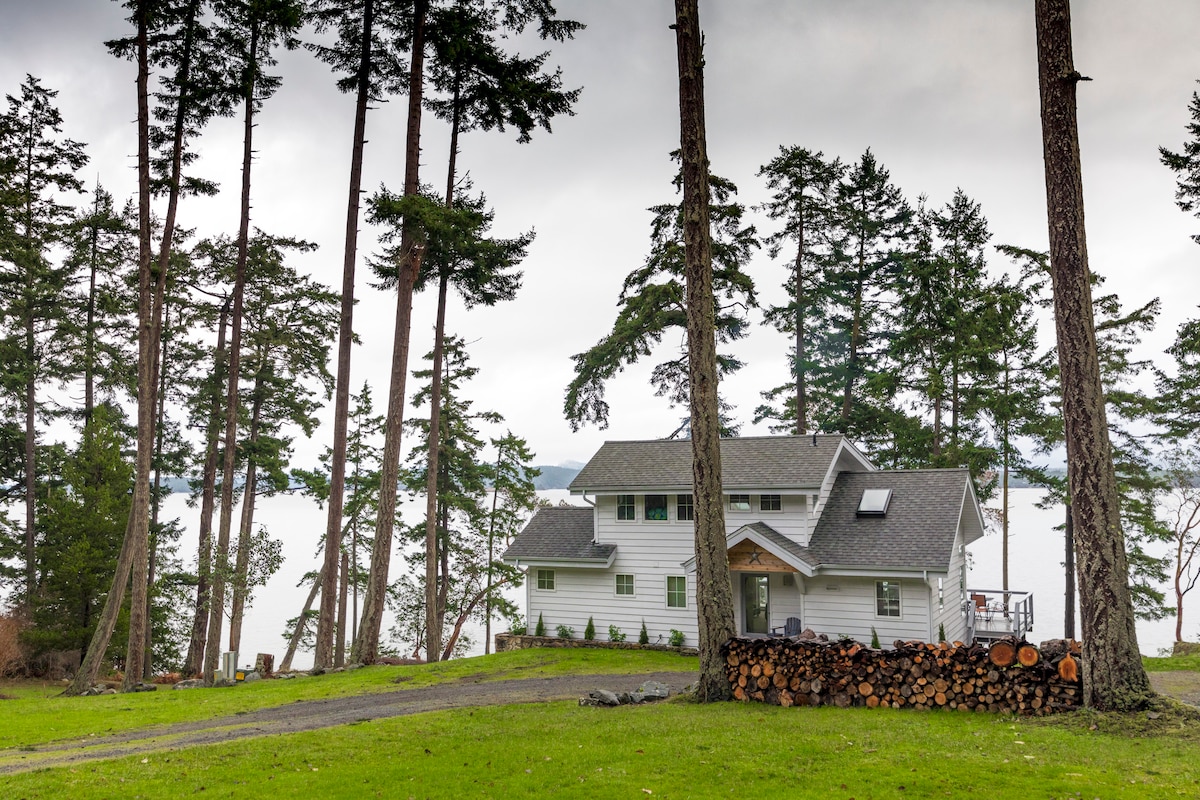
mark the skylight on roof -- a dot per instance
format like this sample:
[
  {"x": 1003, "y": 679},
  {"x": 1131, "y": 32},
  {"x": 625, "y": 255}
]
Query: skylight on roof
[{"x": 874, "y": 502}]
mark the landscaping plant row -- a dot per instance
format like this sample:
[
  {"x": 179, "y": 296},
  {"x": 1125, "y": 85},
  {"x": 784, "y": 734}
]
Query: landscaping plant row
[{"x": 1009, "y": 676}]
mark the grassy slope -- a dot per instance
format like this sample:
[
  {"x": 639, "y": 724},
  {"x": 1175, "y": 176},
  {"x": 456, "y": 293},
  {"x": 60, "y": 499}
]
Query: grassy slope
[
  {"x": 33, "y": 718},
  {"x": 674, "y": 749}
]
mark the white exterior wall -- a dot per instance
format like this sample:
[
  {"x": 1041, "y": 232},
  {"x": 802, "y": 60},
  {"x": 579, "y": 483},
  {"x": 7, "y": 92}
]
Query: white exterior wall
[
  {"x": 849, "y": 610},
  {"x": 950, "y": 615}
]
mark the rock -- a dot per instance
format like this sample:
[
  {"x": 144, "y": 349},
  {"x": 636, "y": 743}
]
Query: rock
[
  {"x": 624, "y": 698},
  {"x": 190, "y": 683},
  {"x": 335, "y": 670},
  {"x": 109, "y": 691},
  {"x": 145, "y": 687},
  {"x": 600, "y": 697},
  {"x": 251, "y": 677},
  {"x": 354, "y": 666},
  {"x": 654, "y": 690},
  {"x": 808, "y": 633},
  {"x": 317, "y": 671},
  {"x": 287, "y": 676}
]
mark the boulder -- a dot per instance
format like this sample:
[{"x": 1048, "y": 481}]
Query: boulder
[
  {"x": 600, "y": 697},
  {"x": 190, "y": 683},
  {"x": 251, "y": 677}
]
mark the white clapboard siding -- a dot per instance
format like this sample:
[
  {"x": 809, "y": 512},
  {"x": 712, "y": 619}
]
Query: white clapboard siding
[
  {"x": 951, "y": 615},
  {"x": 849, "y": 610}
]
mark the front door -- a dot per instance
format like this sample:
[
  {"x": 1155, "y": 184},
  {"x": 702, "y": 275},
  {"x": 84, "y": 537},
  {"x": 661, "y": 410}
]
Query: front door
[{"x": 754, "y": 603}]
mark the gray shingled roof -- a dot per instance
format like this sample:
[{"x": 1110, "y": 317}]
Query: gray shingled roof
[
  {"x": 918, "y": 530},
  {"x": 559, "y": 534},
  {"x": 752, "y": 462}
]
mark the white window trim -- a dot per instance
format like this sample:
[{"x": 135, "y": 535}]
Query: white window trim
[
  {"x": 749, "y": 503},
  {"x": 617, "y": 509},
  {"x": 666, "y": 507},
  {"x": 770, "y": 510},
  {"x": 667, "y": 594},
  {"x": 618, "y": 594},
  {"x": 537, "y": 579},
  {"x": 899, "y": 600}
]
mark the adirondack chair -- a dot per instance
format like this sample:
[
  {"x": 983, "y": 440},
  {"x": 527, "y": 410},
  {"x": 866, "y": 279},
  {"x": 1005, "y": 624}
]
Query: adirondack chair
[{"x": 791, "y": 627}]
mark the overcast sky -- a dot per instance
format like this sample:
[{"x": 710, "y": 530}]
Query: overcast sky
[{"x": 945, "y": 94}]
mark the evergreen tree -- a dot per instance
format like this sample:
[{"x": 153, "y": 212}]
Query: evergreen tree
[
  {"x": 855, "y": 378},
  {"x": 653, "y": 304},
  {"x": 84, "y": 510},
  {"x": 38, "y": 169},
  {"x": 1186, "y": 165},
  {"x": 803, "y": 184},
  {"x": 514, "y": 498}
]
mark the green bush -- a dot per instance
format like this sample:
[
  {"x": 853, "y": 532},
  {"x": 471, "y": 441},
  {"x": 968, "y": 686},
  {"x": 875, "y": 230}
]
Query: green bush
[
  {"x": 874, "y": 638},
  {"x": 644, "y": 636},
  {"x": 564, "y": 631},
  {"x": 540, "y": 630},
  {"x": 518, "y": 628},
  {"x": 589, "y": 633},
  {"x": 614, "y": 634},
  {"x": 676, "y": 638},
  {"x": 941, "y": 632}
]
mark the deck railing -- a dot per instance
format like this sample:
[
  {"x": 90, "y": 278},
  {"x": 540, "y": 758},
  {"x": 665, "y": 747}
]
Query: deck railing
[{"x": 992, "y": 613}]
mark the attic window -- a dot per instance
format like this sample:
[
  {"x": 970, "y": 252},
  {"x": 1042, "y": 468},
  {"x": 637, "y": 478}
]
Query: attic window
[{"x": 874, "y": 502}]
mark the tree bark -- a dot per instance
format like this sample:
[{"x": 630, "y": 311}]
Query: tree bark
[
  {"x": 433, "y": 620},
  {"x": 216, "y": 609},
  {"x": 341, "y": 413},
  {"x": 1113, "y": 676},
  {"x": 339, "y": 648},
  {"x": 367, "y": 641},
  {"x": 1069, "y": 569},
  {"x": 714, "y": 594},
  {"x": 241, "y": 570}
]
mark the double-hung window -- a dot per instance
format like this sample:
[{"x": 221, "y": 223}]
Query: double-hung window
[
  {"x": 676, "y": 591},
  {"x": 626, "y": 507},
  {"x": 887, "y": 598},
  {"x": 685, "y": 508},
  {"x": 739, "y": 502}
]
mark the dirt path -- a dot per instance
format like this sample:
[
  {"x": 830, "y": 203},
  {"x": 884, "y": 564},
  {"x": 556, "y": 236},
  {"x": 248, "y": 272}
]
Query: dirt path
[
  {"x": 1183, "y": 685},
  {"x": 314, "y": 714}
]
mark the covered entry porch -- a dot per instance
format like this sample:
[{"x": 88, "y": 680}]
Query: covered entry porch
[{"x": 766, "y": 590}]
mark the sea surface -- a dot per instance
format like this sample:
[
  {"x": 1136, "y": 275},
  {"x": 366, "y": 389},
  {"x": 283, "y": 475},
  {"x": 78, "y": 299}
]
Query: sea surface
[{"x": 1035, "y": 565}]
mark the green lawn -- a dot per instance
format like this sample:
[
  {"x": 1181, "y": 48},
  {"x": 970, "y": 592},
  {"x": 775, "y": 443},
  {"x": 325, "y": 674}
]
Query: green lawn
[
  {"x": 35, "y": 718},
  {"x": 675, "y": 749}
]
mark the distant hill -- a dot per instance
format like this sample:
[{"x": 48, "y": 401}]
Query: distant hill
[{"x": 555, "y": 477}]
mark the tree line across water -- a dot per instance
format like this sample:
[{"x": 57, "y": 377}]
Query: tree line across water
[{"x": 904, "y": 337}]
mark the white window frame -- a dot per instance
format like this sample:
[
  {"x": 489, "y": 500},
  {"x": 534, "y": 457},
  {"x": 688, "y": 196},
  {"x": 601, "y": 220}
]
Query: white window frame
[
  {"x": 676, "y": 592},
  {"x": 666, "y": 507},
  {"x": 633, "y": 504},
  {"x": 541, "y": 572},
  {"x": 617, "y": 585},
  {"x": 746, "y": 502},
  {"x": 778, "y": 499},
  {"x": 879, "y": 586}
]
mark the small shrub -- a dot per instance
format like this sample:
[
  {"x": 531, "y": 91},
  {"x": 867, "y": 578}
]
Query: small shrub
[
  {"x": 564, "y": 631},
  {"x": 676, "y": 638},
  {"x": 518, "y": 628},
  {"x": 589, "y": 633},
  {"x": 540, "y": 630},
  {"x": 941, "y": 632},
  {"x": 614, "y": 634},
  {"x": 874, "y": 638},
  {"x": 644, "y": 636}
]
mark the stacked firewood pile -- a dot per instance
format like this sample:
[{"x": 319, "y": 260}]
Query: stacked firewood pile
[{"x": 1012, "y": 675}]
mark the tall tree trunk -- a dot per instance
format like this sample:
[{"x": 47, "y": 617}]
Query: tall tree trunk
[
  {"x": 341, "y": 412},
  {"x": 714, "y": 594},
  {"x": 89, "y": 342},
  {"x": 155, "y": 504},
  {"x": 194, "y": 664},
  {"x": 1113, "y": 676},
  {"x": 241, "y": 568},
  {"x": 339, "y": 649},
  {"x": 367, "y": 642},
  {"x": 801, "y": 372},
  {"x": 1069, "y": 569},
  {"x": 229, "y": 467},
  {"x": 433, "y": 619},
  {"x": 301, "y": 624},
  {"x": 30, "y": 454},
  {"x": 855, "y": 328},
  {"x": 487, "y": 630}
]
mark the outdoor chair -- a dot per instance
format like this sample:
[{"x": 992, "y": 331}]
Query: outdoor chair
[{"x": 791, "y": 627}]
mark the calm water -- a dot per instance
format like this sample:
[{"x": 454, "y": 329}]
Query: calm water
[{"x": 1035, "y": 565}]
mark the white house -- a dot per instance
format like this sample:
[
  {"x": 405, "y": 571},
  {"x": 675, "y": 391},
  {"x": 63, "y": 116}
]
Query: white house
[{"x": 815, "y": 533}]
